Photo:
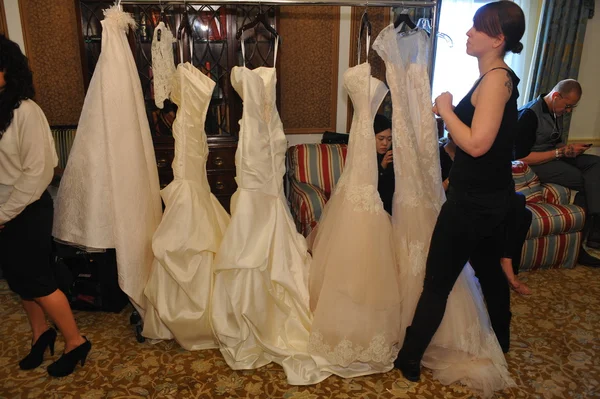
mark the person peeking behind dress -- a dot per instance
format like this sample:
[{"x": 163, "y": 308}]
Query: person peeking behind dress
[{"x": 383, "y": 142}]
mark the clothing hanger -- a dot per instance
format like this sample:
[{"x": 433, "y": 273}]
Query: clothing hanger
[
  {"x": 118, "y": 4},
  {"x": 404, "y": 18},
  {"x": 261, "y": 18},
  {"x": 162, "y": 12},
  {"x": 185, "y": 29},
  {"x": 161, "y": 19},
  {"x": 184, "y": 26},
  {"x": 364, "y": 23},
  {"x": 425, "y": 24}
]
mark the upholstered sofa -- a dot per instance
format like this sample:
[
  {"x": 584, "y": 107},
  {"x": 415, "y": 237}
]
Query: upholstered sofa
[{"x": 553, "y": 240}]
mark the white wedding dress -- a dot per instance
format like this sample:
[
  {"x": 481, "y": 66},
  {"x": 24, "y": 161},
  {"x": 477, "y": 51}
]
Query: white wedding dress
[
  {"x": 354, "y": 288},
  {"x": 179, "y": 289},
  {"x": 260, "y": 298},
  {"x": 465, "y": 348},
  {"x": 109, "y": 193}
]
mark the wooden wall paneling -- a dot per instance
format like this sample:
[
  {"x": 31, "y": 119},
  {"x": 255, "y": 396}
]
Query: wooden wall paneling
[
  {"x": 3, "y": 25},
  {"x": 308, "y": 67},
  {"x": 380, "y": 18},
  {"x": 50, "y": 31}
]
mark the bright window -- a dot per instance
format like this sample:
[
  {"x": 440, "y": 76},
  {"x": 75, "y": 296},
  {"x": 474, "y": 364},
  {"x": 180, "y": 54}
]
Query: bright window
[{"x": 455, "y": 71}]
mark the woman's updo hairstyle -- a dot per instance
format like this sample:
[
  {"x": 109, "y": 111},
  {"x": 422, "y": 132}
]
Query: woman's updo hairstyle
[{"x": 502, "y": 18}]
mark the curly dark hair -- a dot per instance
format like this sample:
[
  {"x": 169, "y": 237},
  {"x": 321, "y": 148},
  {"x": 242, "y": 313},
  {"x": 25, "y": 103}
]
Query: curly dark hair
[{"x": 19, "y": 81}]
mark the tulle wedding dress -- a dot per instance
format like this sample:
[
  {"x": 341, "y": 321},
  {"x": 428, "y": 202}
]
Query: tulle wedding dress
[
  {"x": 260, "y": 300},
  {"x": 109, "y": 193},
  {"x": 465, "y": 348},
  {"x": 179, "y": 289},
  {"x": 354, "y": 288}
]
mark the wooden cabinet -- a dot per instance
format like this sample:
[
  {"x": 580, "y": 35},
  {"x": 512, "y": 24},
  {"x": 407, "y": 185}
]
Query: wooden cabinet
[{"x": 213, "y": 48}]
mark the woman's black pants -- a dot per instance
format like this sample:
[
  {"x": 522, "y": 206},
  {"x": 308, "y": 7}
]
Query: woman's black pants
[{"x": 469, "y": 228}]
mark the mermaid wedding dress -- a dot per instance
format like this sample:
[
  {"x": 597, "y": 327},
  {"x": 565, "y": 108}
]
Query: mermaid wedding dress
[
  {"x": 179, "y": 290},
  {"x": 260, "y": 300}
]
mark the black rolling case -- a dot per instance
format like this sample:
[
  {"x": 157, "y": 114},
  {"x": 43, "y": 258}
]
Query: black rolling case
[{"x": 89, "y": 279}]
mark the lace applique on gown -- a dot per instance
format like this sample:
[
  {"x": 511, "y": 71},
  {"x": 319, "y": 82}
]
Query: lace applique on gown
[
  {"x": 465, "y": 347},
  {"x": 109, "y": 195},
  {"x": 354, "y": 289},
  {"x": 260, "y": 300},
  {"x": 179, "y": 289},
  {"x": 163, "y": 64}
]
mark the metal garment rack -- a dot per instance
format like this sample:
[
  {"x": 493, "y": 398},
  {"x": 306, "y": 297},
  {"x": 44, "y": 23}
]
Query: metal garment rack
[
  {"x": 433, "y": 4},
  {"x": 358, "y": 3}
]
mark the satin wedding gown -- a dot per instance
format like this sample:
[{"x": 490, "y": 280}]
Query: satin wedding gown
[
  {"x": 179, "y": 289},
  {"x": 465, "y": 348},
  {"x": 354, "y": 288},
  {"x": 109, "y": 193},
  {"x": 260, "y": 299}
]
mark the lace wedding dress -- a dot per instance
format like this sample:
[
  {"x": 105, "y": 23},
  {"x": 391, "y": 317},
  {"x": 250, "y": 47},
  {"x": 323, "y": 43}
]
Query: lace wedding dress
[
  {"x": 179, "y": 289},
  {"x": 354, "y": 288},
  {"x": 163, "y": 64},
  {"x": 260, "y": 300},
  {"x": 109, "y": 193},
  {"x": 465, "y": 348}
]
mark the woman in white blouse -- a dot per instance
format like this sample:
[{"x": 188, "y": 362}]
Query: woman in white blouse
[{"x": 27, "y": 161}]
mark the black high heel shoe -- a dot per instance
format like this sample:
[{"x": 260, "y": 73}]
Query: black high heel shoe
[
  {"x": 36, "y": 355},
  {"x": 67, "y": 362}
]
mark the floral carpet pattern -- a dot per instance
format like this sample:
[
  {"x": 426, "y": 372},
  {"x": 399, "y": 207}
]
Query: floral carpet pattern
[{"x": 553, "y": 355}]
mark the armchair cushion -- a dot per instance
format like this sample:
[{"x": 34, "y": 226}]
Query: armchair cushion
[
  {"x": 555, "y": 194},
  {"x": 553, "y": 219}
]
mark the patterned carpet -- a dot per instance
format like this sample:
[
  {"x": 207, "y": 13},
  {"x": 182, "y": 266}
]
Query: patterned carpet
[{"x": 555, "y": 337}]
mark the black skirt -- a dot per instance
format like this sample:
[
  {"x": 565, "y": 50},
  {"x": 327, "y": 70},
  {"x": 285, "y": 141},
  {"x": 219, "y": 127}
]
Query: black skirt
[{"x": 26, "y": 250}]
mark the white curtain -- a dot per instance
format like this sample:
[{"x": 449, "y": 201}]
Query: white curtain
[{"x": 521, "y": 63}]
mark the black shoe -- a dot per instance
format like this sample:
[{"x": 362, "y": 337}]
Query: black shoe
[
  {"x": 585, "y": 259},
  {"x": 593, "y": 244},
  {"x": 593, "y": 240},
  {"x": 67, "y": 362},
  {"x": 410, "y": 368},
  {"x": 36, "y": 355}
]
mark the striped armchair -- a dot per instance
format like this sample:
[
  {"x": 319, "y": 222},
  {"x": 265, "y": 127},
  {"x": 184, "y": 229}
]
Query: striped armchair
[
  {"x": 312, "y": 172},
  {"x": 554, "y": 238}
]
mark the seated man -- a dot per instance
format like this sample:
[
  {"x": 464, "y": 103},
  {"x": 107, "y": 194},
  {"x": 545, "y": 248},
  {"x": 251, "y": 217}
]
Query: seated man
[
  {"x": 383, "y": 143},
  {"x": 540, "y": 143}
]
